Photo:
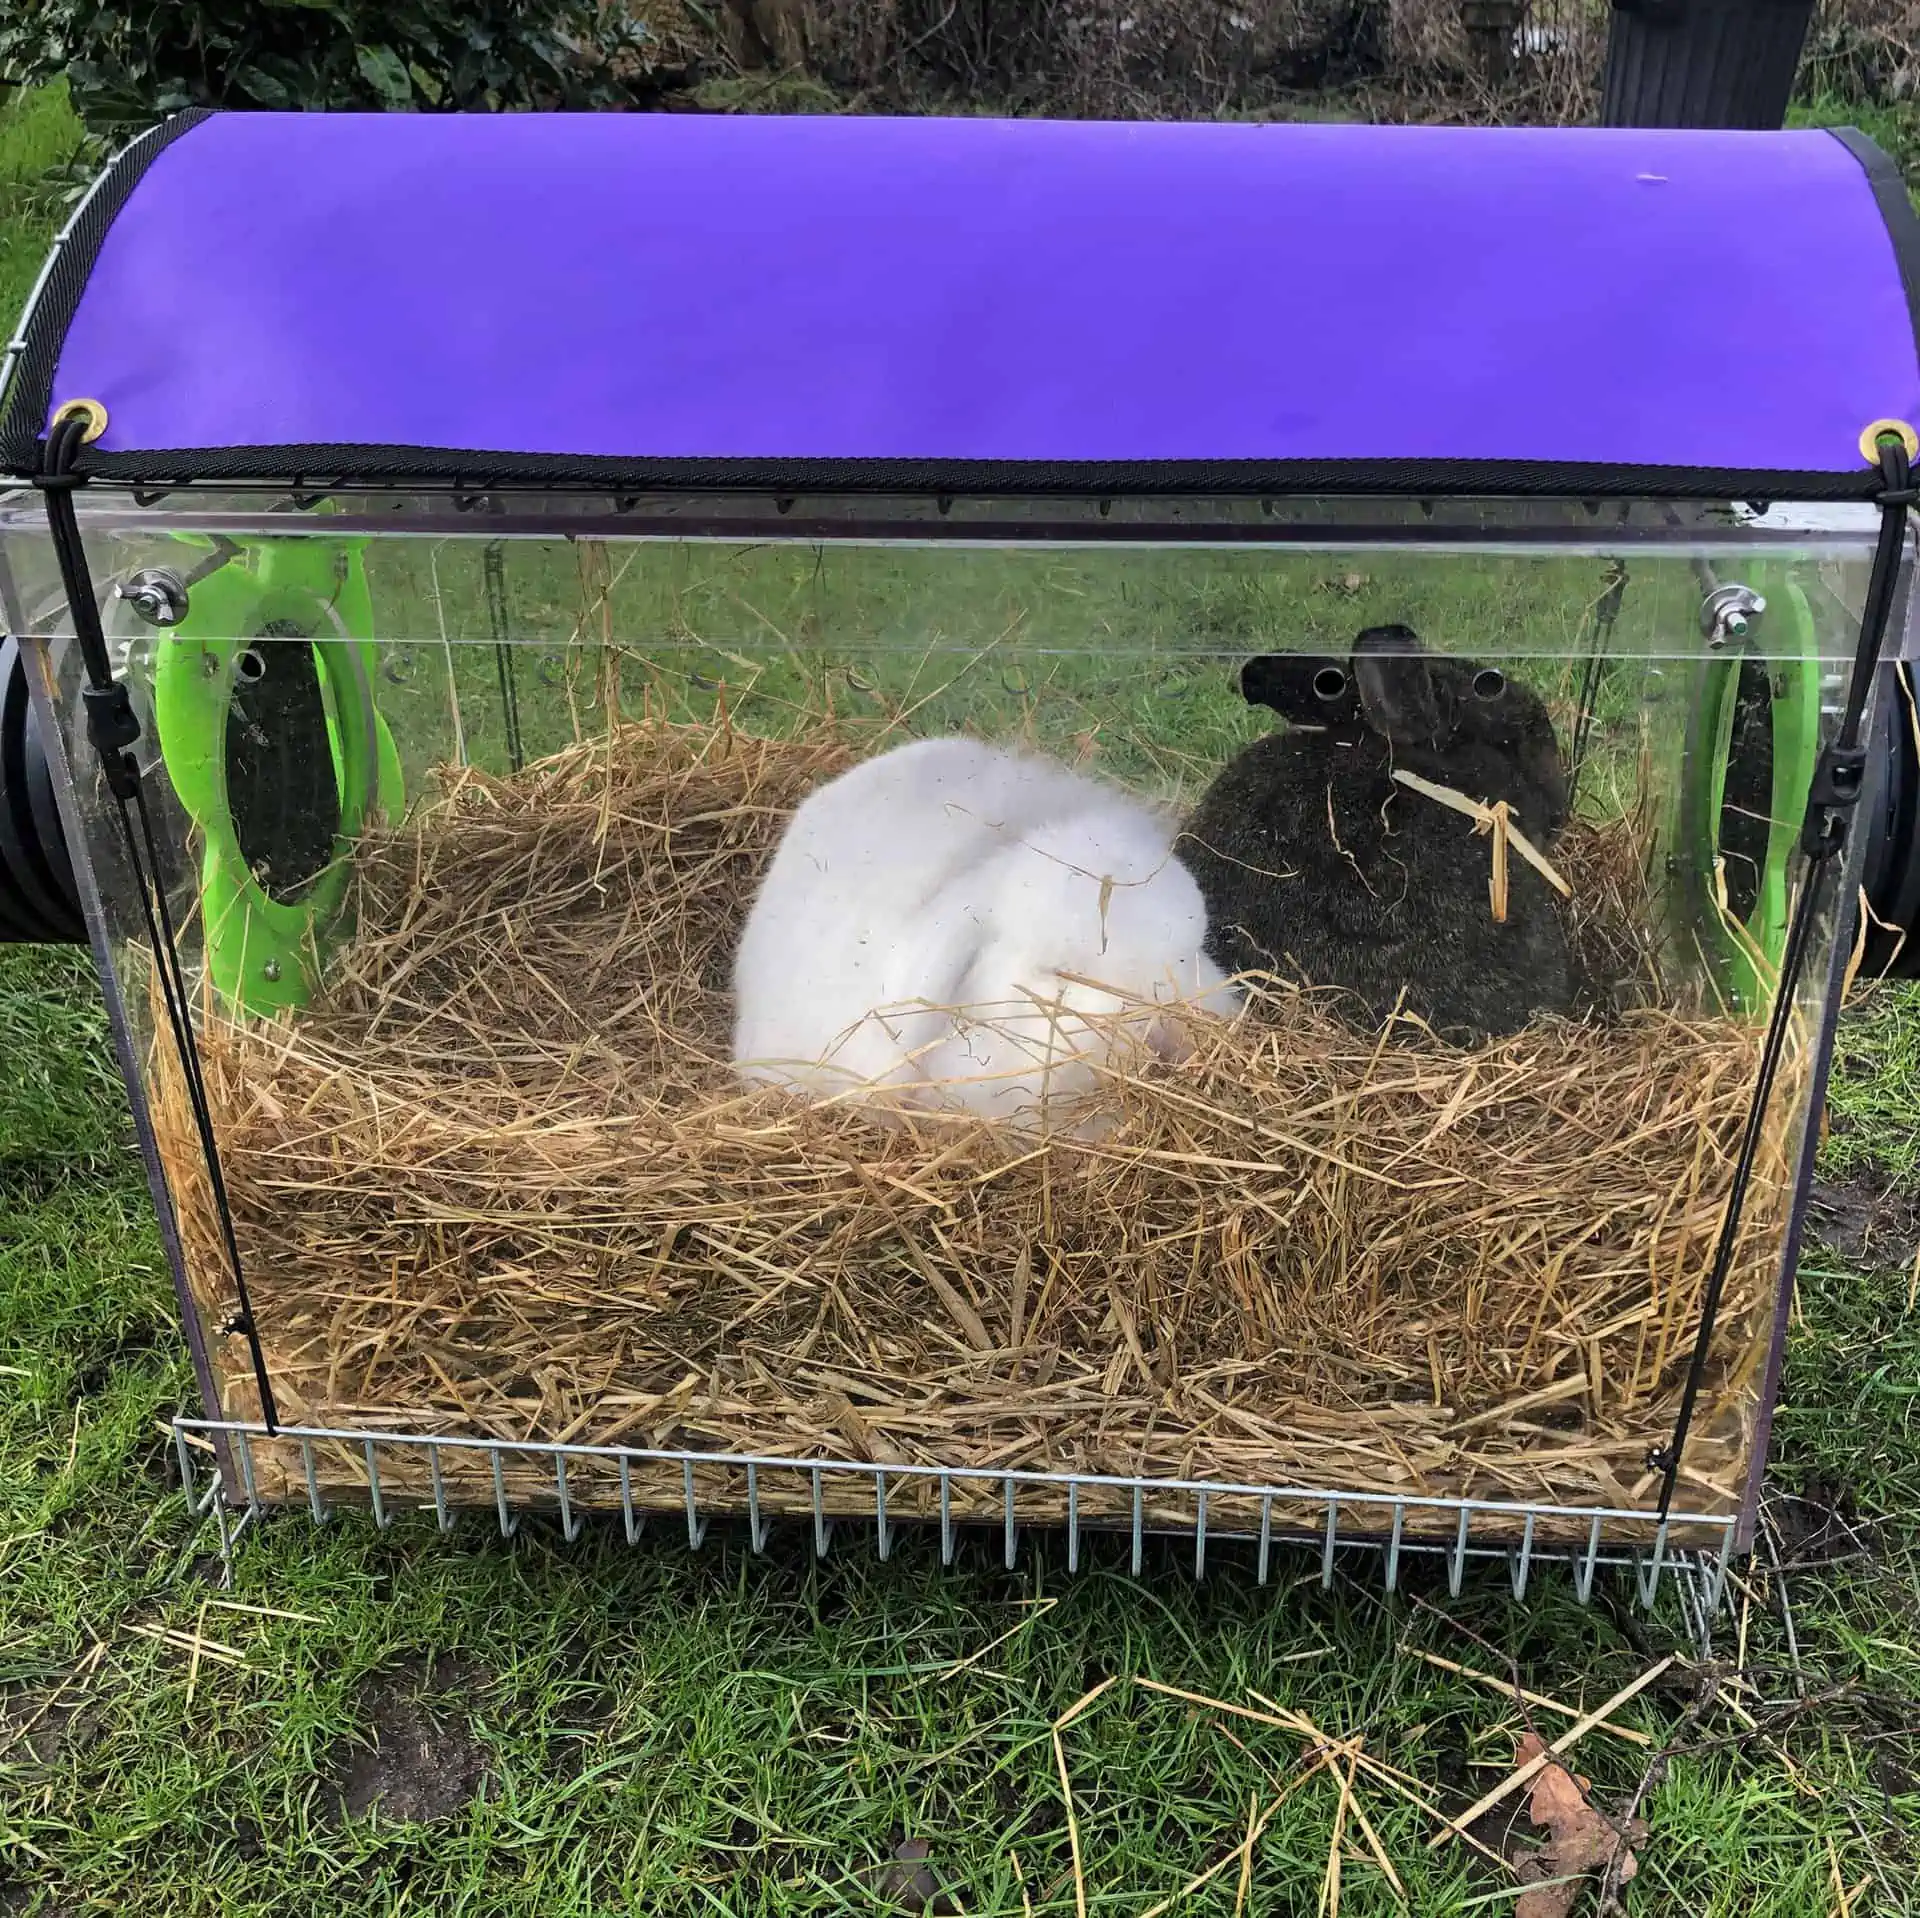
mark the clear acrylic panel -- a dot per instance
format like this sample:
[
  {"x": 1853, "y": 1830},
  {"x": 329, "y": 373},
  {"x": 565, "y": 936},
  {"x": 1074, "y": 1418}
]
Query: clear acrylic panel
[{"x": 1264, "y": 1054}]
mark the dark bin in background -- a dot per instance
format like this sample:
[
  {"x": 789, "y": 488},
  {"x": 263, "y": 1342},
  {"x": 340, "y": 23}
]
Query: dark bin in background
[{"x": 1702, "y": 63}]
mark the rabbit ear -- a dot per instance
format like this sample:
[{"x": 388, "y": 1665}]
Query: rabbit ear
[
  {"x": 1265, "y": 681},
  {"x": 1308, "y": 688},
  {"x": 1397, "y": 687}
]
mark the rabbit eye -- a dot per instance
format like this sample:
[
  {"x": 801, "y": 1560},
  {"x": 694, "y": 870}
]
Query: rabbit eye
[
  {"x": 1489, "y": 684},
  {"x": 1329, "y": 683}
]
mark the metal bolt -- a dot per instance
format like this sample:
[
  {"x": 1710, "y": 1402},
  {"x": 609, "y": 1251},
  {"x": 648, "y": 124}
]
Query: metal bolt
[
  {"x": 155, "y": 595},
  {"x": 1728, "y": 612}
]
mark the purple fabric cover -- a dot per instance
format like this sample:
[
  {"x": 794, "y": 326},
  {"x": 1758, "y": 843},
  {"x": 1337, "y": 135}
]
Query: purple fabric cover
[{"x": 690, "y": 287}]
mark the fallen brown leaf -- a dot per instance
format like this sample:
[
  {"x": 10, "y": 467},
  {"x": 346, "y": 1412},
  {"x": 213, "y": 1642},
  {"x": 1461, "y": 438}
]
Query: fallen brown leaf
[{"x": 1579, "y": 1843}]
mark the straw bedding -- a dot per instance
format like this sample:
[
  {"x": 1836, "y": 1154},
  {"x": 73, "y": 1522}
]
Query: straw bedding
[{"x": 500, "y": 1181}]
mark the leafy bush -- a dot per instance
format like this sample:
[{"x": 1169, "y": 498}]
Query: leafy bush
[
  {"x": 1152, "y": 58},
  {"x": 1864, "y": 50},
  {"x": 129, "y": 61},
  {"x": 1096, "y": 57}
]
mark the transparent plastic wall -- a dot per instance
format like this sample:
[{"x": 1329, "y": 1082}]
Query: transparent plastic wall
[{"x": 1315, "y": 1059}]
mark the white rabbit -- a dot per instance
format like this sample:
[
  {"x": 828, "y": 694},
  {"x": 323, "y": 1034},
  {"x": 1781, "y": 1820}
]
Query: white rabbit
[{"x": 954, "y": 925}]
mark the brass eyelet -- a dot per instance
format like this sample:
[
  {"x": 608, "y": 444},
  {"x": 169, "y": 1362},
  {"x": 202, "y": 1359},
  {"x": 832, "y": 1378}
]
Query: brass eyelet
[
  {"x": 91, "y": 411},
  {"x": 1870, "y": 439}
]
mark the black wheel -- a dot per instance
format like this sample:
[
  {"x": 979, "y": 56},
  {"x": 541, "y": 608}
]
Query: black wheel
[
  {"x": 38, "y": 900},
  {"x": 1891, "y": 872}
]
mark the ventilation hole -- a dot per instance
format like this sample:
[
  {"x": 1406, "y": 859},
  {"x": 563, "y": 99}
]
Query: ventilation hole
[
  {"x": 1488, "y": 683},
  {"x": 282, "y": 795},
  {"x": 1329, "y": 683},
  {"x": 1746, "y": 804}
]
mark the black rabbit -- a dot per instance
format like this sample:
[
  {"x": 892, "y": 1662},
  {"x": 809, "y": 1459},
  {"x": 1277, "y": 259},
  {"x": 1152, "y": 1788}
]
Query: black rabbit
[{"x": 1317, "y": 865}]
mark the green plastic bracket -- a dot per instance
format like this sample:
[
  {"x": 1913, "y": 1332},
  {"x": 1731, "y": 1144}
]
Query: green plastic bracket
[
  {"x": 1744, "y": 956},
  {"x": 264, "y": 954}
]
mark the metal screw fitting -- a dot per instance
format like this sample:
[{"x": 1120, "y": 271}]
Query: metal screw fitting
[
  {"x": 1728, "y": 612},
  {"x": 156, "y": 595}
]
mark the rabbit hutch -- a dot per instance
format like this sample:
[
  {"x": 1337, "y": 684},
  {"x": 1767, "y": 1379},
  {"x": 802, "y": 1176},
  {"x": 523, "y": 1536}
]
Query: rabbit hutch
[{"x": 1132, "y": 828}]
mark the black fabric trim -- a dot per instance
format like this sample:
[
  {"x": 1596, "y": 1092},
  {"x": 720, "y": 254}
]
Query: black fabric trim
[
  {"x": 1896, "y": 209},
  {"x": 29, "y": 399},
  {"x": 340, "y": 468}
]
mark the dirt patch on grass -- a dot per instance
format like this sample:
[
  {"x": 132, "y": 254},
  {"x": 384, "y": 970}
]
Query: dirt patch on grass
[
  {"x": 1871, "y": 1223},
  {"x": 913, "y": 1882},
  {"x": 40, "y": 1725},
  {"x": 19, "y": 1901},
  {"x": 1820, "y": 1524},
  {"x": 417, "y": 1760}
]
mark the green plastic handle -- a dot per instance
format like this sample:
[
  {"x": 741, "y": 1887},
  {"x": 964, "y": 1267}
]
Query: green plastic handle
[
  {"x": 264, "y": 955},
  {"x": 1745, "y": 962}
]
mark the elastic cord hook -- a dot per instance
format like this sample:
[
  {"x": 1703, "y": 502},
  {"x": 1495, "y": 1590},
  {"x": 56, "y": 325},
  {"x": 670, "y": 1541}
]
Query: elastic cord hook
[
  {"x": 114, "y": 729},
  {"x": 1839, "y": 776}
]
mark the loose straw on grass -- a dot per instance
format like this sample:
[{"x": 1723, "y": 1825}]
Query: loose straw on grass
[
  {"x": 1084, "y": 1702},
  {"x": 1330, "y": 1883},
  {"x": 1246, "y": 1855},
  {"x": 1374, "y": 1845},
  {"x": 1564, "y": 1743},
  {"x": 1505, "y": 1686},
  {"x": 1321, "y": 1747},
  {"x": 1073, "y": 1827},
  {"x": 1241, "y": 1851},
  {"x": 1020, "y": 1879},
  {"x": 16, "y": 1733}
]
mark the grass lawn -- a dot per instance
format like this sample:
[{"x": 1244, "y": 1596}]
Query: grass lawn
[
  {"x": 40, "y": 144},
  {"x": 378, "y": 1721}
]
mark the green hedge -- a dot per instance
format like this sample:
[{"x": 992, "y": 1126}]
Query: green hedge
[{"x": 131, "y": 61}]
